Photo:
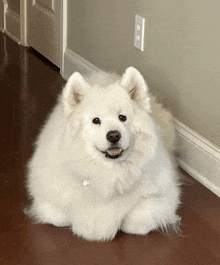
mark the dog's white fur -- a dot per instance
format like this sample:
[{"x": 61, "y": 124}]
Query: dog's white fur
[{"x": 72, "y": 183}]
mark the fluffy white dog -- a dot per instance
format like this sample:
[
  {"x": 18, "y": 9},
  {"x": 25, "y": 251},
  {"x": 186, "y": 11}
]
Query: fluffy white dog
[{"x": 103, "y": 160}]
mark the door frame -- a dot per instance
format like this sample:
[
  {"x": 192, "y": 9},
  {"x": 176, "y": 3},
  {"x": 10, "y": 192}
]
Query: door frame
[
  {"x": 23, "y": 23},
  {"x": 63, "y": 28}
]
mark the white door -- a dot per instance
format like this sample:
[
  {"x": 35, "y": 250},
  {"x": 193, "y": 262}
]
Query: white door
[{"x": 44, "y": 28}]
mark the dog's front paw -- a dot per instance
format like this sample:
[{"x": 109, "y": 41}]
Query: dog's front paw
[{"x": 99, "y": 225}]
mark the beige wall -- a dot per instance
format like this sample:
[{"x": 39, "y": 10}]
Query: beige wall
[
  {"x": 14, "y": 5},
  {"x": 181, "y": 60}
]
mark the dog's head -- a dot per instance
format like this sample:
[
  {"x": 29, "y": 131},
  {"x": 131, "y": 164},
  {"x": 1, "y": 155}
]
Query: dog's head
[{"x": 107, "y": 118}]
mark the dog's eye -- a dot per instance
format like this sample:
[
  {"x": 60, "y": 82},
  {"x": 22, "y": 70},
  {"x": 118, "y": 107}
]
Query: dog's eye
[
  {"x": 122, "y": 118},
  {"x": 96, "y": 121}
]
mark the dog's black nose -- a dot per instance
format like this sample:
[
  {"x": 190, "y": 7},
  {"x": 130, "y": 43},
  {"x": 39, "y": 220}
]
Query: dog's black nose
[{"x": 113, "y": 136}]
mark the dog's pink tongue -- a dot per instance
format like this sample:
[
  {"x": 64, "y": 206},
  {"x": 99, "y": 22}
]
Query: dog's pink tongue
[{"x": 114, "y": 152}]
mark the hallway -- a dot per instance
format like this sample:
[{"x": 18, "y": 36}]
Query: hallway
[{"x": 29, "y": 85}]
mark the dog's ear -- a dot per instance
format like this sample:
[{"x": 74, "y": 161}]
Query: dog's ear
[
  {"x": 73, "y": 92},
  {"x": 136, "y": 86}
]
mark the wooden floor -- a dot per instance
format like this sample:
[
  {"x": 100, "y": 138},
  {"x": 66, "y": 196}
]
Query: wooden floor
[{"x": 29, "y": 86}]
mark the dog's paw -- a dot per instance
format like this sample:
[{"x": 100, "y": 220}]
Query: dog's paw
[
  {"x": 46, "y": 213},
  {"x": 138, "y": 228},
  {"x": 97, "y": 224}
]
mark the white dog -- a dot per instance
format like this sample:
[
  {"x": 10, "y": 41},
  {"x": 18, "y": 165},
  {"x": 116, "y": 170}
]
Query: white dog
[{"x": 103, "y": 160}]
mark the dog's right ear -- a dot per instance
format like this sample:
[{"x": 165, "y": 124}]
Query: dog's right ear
[
  {"x": 73, "y": 92},
  {"x": 134, "y": 83}
]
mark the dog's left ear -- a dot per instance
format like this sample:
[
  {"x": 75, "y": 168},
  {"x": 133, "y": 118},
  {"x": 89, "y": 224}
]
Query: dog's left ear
[{"x": 136, "y": 86}]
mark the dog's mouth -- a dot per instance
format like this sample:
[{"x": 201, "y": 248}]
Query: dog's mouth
[{"x": 113, "y": 152}]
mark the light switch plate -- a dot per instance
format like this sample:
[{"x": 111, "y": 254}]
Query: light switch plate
[{"x": 139, "y": 32}]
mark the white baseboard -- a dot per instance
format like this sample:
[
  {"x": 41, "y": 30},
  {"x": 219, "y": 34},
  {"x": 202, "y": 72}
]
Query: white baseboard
[
  {"x": 74, "y": 62},
  {"x": 12, "y": 25},
  {"x": 196, "y": 155}
]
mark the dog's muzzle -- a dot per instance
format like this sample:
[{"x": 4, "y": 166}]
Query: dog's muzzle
[{"x": 113, "y": 152}]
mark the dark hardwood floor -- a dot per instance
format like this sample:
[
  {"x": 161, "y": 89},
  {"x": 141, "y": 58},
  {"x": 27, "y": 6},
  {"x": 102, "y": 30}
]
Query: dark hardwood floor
[{"x": 29, "y": 86}]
